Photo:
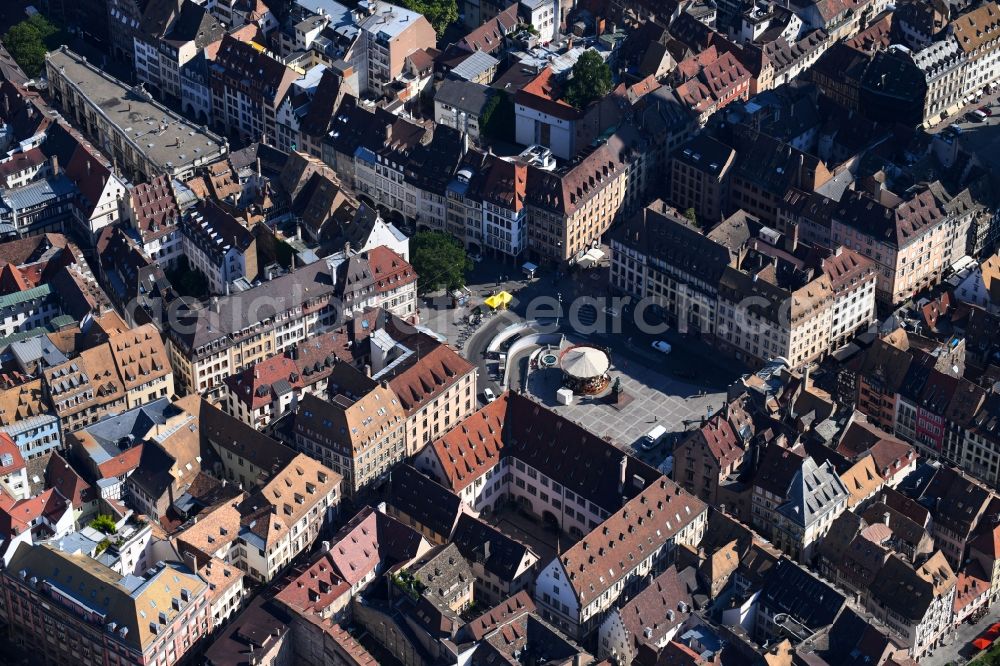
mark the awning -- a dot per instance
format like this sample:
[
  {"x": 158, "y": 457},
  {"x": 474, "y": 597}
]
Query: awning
[
  {"x": 594, "y": 254},
  {"x": 500, "y": 300},
  {"x": 529, "y": 268}
]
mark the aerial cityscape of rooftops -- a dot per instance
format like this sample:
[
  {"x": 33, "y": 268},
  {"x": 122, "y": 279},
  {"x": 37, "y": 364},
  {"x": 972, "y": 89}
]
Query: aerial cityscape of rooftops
[{"x": 464, "y": 333}]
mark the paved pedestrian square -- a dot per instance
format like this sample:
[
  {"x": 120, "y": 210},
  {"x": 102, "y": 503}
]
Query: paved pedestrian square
[{"x": 656, "y": 400}]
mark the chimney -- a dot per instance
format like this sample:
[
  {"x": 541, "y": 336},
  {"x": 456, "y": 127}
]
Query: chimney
[
  {"x": 347, "y": 248},
  {"x": 258, "y": 168},
  {"x": 885, "y": 518},
  {"x": 621, "y": 473},
  {"x": 486, "y": 550},
  {"x": 792, "y": 239},
  {"x": 55, "y": 165},
  {"x": 190, "y": 561},
  {"x": 368, "y": 370}
]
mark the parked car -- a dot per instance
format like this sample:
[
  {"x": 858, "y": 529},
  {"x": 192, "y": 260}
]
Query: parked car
[
  {"x": 976, "y": 116},
  {"x": 661, "y": 346},
  {"x": 652, "y": 438},
  {"x": 489, "y": 395}
]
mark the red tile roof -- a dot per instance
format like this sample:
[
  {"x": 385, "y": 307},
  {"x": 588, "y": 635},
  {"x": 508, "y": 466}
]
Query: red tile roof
[
  {"x": 21, "y": 162},
  {"x": 154, "y": 208},
  {"x": 724, "y": 442},
  {"x": 968, "y": 588},
  {"x": 64, "y": 479},
  {"x": 627, "y": 537},
  {"x": 473, "y": 446},
  {"x": 252, "y": 387},
  {"x": 315, "y": 587},
  {"x": 428, "y": 377},
  {"x": 24, "y": 513},
  {"x": 389, "y": 269},
  {"x": 542, "y": 94},
  {"x": 11, "y": 459},
  {"x": 504, "y": 612},
  {"x": 121, "y": 464},
  {"x": 489, "y": 37}
]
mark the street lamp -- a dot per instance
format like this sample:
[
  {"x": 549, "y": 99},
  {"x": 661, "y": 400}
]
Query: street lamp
[{"x": 559, "y": 311}]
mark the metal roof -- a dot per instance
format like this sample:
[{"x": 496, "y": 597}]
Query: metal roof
[
  {"x": 18, "y": 297},
  {"x": 38, "y": 192},
  {"x": 473, "y": 66}
]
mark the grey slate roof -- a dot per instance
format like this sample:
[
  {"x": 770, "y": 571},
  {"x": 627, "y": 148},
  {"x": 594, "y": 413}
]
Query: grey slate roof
[
  {"x": 815, "y": 491},
  {"x": 463, "y": 95}
]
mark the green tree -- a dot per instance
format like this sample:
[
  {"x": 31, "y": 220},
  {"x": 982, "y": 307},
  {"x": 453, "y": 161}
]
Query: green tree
[
  {"x": 498, "y": 117},
  {"x": 591, "y": 80},
  {"x": 439, "y": 260},
  {"x": 29, "y": 40},
  {"x": 691, "y": 215},
  {"x": 104, "y": 524},
  {"x": 440, "y": 13}
]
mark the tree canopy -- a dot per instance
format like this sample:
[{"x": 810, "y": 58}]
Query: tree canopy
[
  {"x": 104, "y": 523},
  {"x": 440, "y": 13},
  {"x": 591, "y": 80},
  {"x": 29, "y": 40},
  {"x": 498, "y": 117},
  {"x": 439, "y": 260}
]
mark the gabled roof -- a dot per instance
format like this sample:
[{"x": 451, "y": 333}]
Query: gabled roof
[
  {"x": 489, "y": 37},
  {"x": 500, "y": 555},
  {"x": 427, "y": 376},
  {"x": 791, "y": 589},
  {"x": 543, "y": 94},
  {"x": 424, "y": 500},
  {"x": 909, "y": 591},
  {"x": 956, "y": 501},
  {"x": 473, "y": 446},
  {"x": 660, "y": 607},
  {"x": 861, "y": 480},
  {"x": 628, "y": 536},
  {"x": 814, "y": 492}
]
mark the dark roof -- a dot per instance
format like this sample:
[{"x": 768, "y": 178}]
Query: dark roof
[
  {"x": 955, "y": 500},
  {"x": 248, "y": 638},
  {"x": 777, "y": 468},
  {"x": 432, "y": 165},
  {"x": 463, "y": 95},
  {"x": 205, "y": 325},
  {"x": 478, "y": 541},
  {"x": 324, "y": 103},
  {"x": 705, "y": 154},
  {"x": 791, "y": 589},
  {"x": 907, "y": 591},
  {"x": 424, "y": 500},
  {"x": 675, "y": 241},
  {"x": 242, "y": 440},
  {"x": 887, "y": 364},
  {"x": 195, "y": 24},
  {"x": 571, "y": 454}
]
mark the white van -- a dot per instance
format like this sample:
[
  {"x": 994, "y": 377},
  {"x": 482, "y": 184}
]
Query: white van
[{"x": 652, "y": 437}]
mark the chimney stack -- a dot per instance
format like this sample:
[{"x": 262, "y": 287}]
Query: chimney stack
[{"x": 55, "y": 165}]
